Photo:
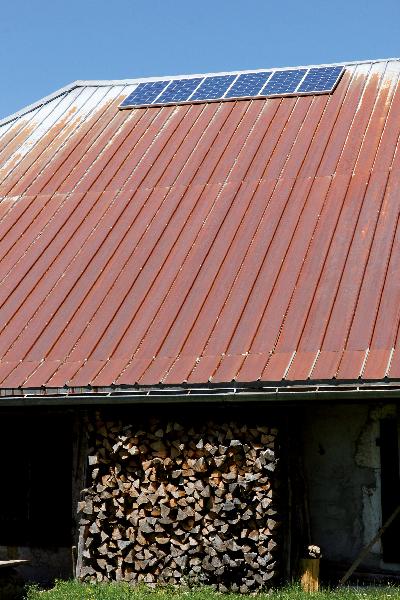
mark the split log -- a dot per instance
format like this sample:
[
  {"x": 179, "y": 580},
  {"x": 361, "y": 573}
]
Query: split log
[{"x": 167, "y": 503}]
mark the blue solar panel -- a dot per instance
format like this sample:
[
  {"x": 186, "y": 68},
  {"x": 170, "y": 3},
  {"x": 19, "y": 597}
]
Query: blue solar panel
[
  {"x": 179, "y": 90},
  {"x": 283, "y": 82},
  {"x": 248, "y": 84},
  {"x": 213, "y": 87},
  {"x": 321, "y": 79},
  {"x": 145, "y": 93},
  {"x": 315, "y": 80}
]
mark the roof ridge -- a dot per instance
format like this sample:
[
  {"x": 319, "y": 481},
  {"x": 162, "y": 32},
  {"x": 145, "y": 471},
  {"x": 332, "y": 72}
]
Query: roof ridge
[{"x": 111, "y": 82}]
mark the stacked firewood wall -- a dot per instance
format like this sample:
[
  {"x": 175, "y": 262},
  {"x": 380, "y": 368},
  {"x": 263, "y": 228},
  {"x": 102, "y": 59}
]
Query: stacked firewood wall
[{"x": 175, "y": 503}]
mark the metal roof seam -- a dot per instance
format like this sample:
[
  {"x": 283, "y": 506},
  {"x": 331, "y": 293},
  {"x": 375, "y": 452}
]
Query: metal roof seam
[
  {"x": 130, "y": 255},
  {"x": 347, "y": 112},
  {"x": 72, "y": 260},
  {"x": 274, "y": 262},
  {"x": 215, "y": 115},
  {"x": 223, "y": 283},
  {"x": 171, "y": 131},
  {"x": 34, "y": 138},
  {"x": 69, "y": 158},
  {"x": 45, "y": 274},
  {"x": 249, "y": 133},
  {"x": 326, "y": 126},
  {"x": 106, "y": 134},
  {"x": 228, "y": 296},
  {"x": 283, "y": 258},
  {"x": 37, "y": 210},
  {"x": 8, "y": 209},
  {"x": 389, "y": 363},
  {"x": 279, "y": 133},
  {"x": 380, "y": 250},
  {"x": 362, "y": 131},
  {"x": 289, "y": 364},
  {"x": 269, "y": 111},
  {"x": 5, "y": 130},
  {"x": 300, "y": 271},
  {"x": 302, "y": 129},
  {"x": 387, "y": 130},
  {"x": 133, "y": 119},
  {"x": 297, "y": 340},
  {"x": 299, "y": 168},
  {"x": 313, "y": 364},
  {"x": 123, "y": 297},
  {"x": 396, "y": 152},
  {"x": 226, "y": 147},
  {"x": 14, "y": 142},
  {"x": 389, "y": 90},
  {"x": 147, "y": 138},
  {"x": 362, "y": 369},
  {"x": 244, "y": 262},
  {"x": 343, "y": 268},
  {"x": 20, "y": 258},
  {"x": 371, "y": 226},
  {"x": 36, "y": 105},
  {"x": 193, "y": 279},
  {"x": 396, "y": 342},
  {"x": 172, "y": 285},
  {"x": 87, "y": 114},
  {"x": 20, "y": 181},
  {"x": 10, "y": 134},
  {"x": 224, "y": 256},
  {"x": 196, "y": 172},
  {"x": 132, "y": 283},
  {"x": 186, "y": 130},
  {"x": 291, "y": 128}
]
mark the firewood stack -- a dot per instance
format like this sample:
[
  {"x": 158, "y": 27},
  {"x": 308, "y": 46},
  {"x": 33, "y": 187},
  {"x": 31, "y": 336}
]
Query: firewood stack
[{"x": 169, "y": 503}]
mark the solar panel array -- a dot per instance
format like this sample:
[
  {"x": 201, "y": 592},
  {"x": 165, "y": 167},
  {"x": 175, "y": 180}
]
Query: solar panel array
[{"x": 264, "y": 84}]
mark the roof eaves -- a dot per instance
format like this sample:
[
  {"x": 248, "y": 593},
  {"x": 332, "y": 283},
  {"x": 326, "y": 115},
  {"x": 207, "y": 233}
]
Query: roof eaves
[{"x": 302, "y": 392}]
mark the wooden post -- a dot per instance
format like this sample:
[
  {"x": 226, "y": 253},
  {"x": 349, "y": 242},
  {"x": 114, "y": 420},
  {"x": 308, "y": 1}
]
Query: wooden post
[
  {"x": 309, "y": 569},
  {"x": 309, "y": 574}
]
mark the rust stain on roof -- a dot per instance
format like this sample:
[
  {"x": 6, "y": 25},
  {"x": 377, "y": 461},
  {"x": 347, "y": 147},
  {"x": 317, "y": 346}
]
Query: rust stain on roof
[{"x": 247, "y": 241}]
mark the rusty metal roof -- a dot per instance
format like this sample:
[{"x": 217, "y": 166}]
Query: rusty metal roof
[{"x": 246, "y": 241}]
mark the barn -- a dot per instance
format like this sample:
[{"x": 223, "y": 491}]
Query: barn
[{"x": 199, "y": 317}]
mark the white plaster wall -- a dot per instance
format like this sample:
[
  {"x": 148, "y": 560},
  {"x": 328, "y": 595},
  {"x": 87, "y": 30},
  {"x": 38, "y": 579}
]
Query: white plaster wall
[{"x": 342, "y": 462}]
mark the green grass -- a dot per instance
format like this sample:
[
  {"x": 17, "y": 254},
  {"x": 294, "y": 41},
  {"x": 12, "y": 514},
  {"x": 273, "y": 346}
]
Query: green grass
[{"x": 70, "y": 590}]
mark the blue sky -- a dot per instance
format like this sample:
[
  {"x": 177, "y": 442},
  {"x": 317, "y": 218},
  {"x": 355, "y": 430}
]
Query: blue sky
[{"x": 47, "y": 44}]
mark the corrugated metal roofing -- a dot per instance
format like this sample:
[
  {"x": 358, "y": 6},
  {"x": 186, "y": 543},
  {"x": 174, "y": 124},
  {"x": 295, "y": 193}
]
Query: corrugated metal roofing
[{"x": 255, "y": 240}]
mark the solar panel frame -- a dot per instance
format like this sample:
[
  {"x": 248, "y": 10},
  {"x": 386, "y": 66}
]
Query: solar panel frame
[
  {"x": 283, "y": 83},
  {"x": 246, "y": 80},
  {"x": 308, "y": 83},
  {"x": 175, "y": 87},
  {"x": 211, "y": 84},
  {"x": 153, "y": 88}
]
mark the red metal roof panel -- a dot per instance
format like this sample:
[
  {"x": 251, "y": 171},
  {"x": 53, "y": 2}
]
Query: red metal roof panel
[
  {"x": 252, "y": 368},
  {"x": 377, "y": 364},
  {"x": 228, "y": 368},
  {"x": 248, "y": 241}
]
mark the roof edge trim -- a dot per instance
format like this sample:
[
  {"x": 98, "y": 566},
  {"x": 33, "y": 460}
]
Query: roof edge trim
[{"x": 224, "y": 395}]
